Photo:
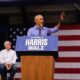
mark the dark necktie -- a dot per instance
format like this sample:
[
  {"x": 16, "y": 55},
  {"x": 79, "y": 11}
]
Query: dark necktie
[{"x": 39, "y": 32}]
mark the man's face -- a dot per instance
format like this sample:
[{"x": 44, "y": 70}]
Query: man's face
[
  {"x": 39, "y": 20},
  {"x": 8, "y": 45}
]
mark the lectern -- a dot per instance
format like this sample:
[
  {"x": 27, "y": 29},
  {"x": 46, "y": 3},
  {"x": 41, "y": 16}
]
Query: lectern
[{"x": 38, "y": 56}]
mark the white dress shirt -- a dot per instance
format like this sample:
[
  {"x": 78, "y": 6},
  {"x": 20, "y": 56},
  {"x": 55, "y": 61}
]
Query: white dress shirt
[{"x": 8, "y": 57}]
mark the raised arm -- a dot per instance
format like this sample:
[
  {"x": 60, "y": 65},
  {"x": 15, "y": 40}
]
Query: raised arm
[
  {"x": 56, "y": 28},
  {"x": 60, "y": 19}
]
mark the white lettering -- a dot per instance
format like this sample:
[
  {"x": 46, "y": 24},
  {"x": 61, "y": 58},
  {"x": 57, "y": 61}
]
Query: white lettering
[
  {"x": 35, "y": 47},
  {"x": 36, "y": 42}
]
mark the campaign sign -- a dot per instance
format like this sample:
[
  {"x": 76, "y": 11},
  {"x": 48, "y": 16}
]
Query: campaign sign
[{"x": 48, "y": 43}]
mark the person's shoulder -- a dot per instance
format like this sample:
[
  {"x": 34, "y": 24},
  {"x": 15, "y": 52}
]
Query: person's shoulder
[
  {"x": 31, "y": 28},
  {"x": 2, "y": 50},
  {"x": 45, "y": 27},
  {"x": 13, "y": 51}
]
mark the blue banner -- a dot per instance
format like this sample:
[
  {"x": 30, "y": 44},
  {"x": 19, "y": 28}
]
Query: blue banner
[{"x": 48, "y": 43}]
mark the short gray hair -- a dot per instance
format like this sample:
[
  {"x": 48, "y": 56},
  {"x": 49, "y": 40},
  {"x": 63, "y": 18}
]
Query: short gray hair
[
  {"x": 6, "y": 42},
  {"x": 38, "y": 16}
]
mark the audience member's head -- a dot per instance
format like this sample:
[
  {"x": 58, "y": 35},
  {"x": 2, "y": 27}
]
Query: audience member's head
[{"x": 7, "y": 45}]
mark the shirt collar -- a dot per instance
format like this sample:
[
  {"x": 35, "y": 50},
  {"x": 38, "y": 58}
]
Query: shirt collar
[
  {"x": 8, "y": 50},
  {"x": 37, "y": 27}
]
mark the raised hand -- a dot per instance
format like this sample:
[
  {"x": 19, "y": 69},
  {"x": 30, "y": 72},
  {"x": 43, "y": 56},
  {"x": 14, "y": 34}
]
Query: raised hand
[{"x": 62, "y": 16}]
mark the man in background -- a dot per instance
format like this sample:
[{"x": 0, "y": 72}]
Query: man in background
[{"x": 7, "y": 61}]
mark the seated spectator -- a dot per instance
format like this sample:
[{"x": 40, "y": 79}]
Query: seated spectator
[{"x": 7, "y": 62}]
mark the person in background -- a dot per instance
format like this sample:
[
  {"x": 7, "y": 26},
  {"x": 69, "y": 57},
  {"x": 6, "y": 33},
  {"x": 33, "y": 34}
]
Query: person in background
[
  {"x": 40, "y": 30},
  {"x": 7, "y": 61}
]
